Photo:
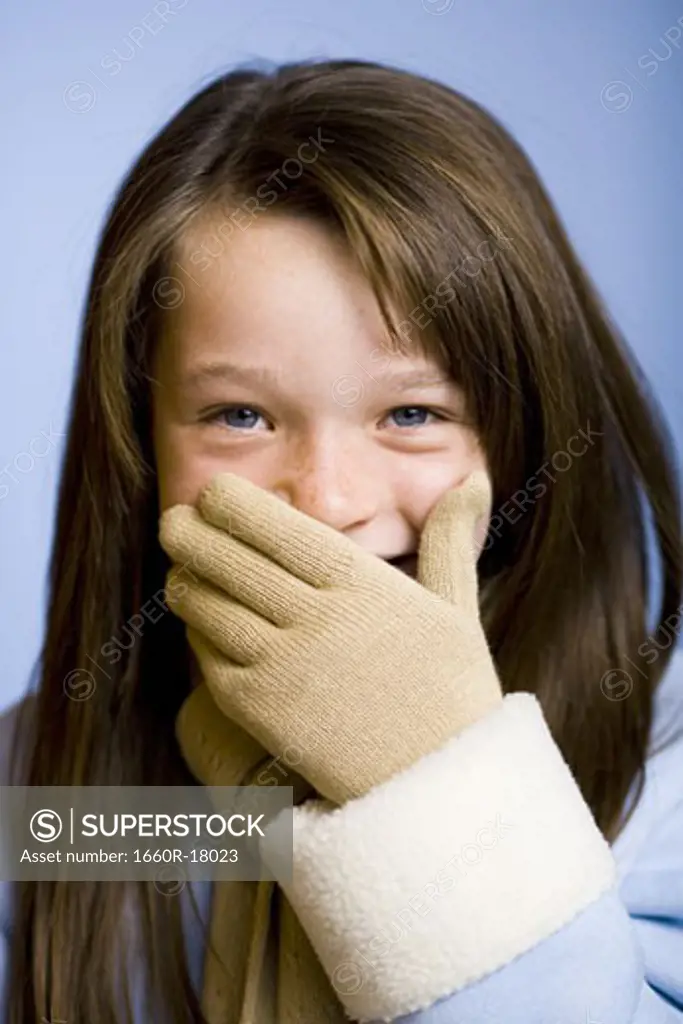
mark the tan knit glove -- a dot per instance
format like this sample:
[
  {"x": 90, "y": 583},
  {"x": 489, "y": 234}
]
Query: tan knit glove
[{"x": 304, "y": 638}]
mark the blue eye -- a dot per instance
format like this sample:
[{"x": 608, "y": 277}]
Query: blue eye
[
  {"x": 416, "y": 415},
  {"x": 237, "y": 417}
]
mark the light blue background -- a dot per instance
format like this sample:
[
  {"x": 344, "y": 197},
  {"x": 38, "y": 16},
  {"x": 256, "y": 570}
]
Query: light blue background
[{"x": 610, "y": 154}]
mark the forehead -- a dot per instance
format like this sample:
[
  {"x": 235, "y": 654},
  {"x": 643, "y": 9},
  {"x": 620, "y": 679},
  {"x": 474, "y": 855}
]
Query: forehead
[
  {"x": 281, "y": 286},
  {"x": 275, "y": 266}
]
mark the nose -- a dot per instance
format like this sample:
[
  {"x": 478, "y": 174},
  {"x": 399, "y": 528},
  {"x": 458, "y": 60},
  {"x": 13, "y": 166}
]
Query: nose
[{"x": 330, "y": 480}]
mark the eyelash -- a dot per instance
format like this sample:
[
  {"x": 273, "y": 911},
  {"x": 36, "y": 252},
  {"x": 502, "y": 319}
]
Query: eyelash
[{"x": 217, "y": 414}]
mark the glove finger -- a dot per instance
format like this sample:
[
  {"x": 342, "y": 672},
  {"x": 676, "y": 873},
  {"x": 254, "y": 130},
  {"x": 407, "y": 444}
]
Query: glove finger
[
  {"x": 240, "y": 692},
  {"x": 447, "y": 557},
  {"x": 310, "y": 550},
  {"x": 236, "y": 569},
  {"x": 217, "y": 750},
  {"x": 235, "y": 630},
  {"x": 227, "y": 682}
]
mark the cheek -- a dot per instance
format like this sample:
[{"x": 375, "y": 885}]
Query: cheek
[
  {"x": 430, "y": 477},
  {"x": 176, "y": 476},
  {"x": 182, "y": 470},
  {"x": 185, "y": 459},
  {"x": 185, "y": 463}
]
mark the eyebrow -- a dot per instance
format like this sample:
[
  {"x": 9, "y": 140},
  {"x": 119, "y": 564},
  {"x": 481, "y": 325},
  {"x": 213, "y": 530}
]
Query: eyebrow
[
  {"x": 401, "y": 380},
  {"x": 230, "y": 372}
]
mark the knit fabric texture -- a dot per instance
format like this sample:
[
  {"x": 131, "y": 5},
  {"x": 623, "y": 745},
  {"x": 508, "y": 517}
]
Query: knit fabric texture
[{"x": 307, "y": 642}]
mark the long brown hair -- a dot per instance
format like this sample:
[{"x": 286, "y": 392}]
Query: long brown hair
[{"x": 452, "y": 228}]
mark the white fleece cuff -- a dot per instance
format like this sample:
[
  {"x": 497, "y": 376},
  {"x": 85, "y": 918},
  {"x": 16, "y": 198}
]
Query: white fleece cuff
[{"x": 448, "y": 870}]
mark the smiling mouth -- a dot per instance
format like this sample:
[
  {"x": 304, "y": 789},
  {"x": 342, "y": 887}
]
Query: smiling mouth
[{"x": 406, "y": 564}]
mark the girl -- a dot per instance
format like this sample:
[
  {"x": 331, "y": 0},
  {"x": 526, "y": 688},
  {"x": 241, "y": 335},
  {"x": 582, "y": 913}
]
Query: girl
[{"x": 337, "y": 350}]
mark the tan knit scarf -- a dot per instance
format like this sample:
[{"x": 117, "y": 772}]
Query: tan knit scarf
[{"x": 260, "y": 967}]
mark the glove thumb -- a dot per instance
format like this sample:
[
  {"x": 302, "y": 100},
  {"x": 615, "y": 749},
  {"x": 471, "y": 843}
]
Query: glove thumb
[{"x": 448, "y": 551}]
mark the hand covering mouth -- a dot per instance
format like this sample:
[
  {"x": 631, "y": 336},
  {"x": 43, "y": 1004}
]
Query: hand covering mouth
[{"x": 406, "y": 563}]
